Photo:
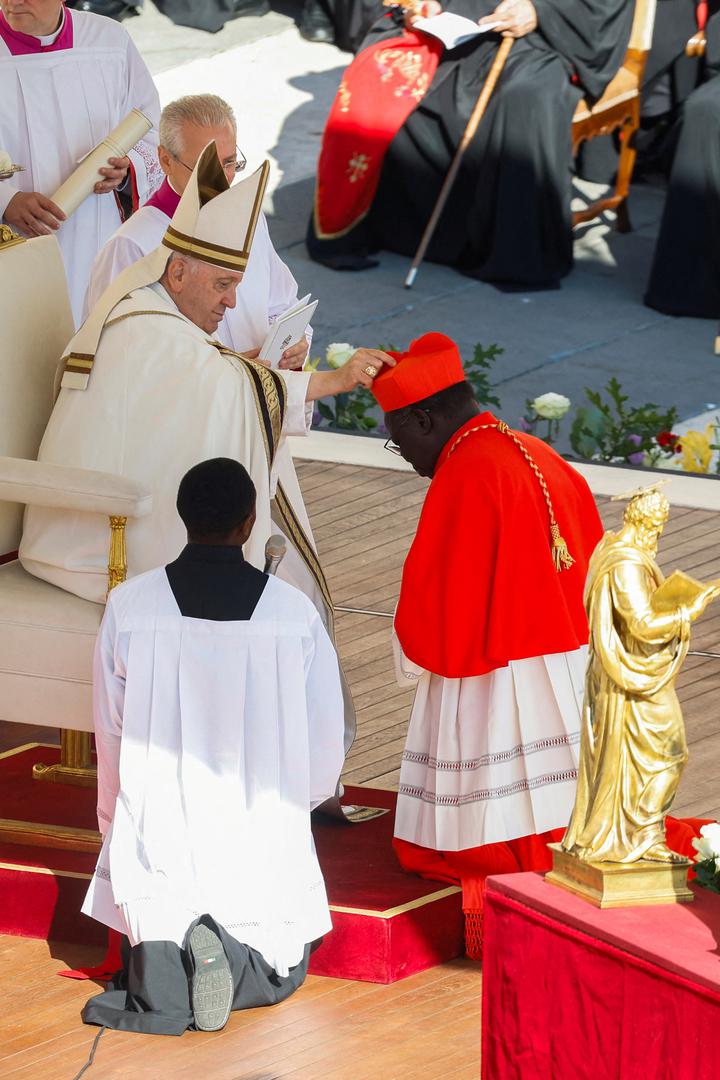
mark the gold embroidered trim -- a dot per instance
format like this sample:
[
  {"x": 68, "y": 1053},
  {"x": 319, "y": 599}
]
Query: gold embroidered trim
[
  {"x": 303, "y": 546},
  {"x": 228, "y": 258},
  {"x": 271, "y": 409}
]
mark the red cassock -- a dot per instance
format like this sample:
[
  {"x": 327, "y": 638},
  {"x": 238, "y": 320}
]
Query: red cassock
[
  {"x": 480, "y": 589},
  {"x": 479, "y": 586}
]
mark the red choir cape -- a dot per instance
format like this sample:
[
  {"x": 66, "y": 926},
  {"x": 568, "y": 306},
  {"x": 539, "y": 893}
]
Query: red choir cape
[
  {"x": 379, "y": 90},
  {"x": 479, "y": 585}
]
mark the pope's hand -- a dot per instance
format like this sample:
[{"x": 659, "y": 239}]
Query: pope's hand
[
  {"x": 114, "y": 173},
  {"x": 512, "y": 18},
  {"x": 294, "y": 357},
  {"x": 33, "y": 214},
  {"x": 362, "y": 369}
]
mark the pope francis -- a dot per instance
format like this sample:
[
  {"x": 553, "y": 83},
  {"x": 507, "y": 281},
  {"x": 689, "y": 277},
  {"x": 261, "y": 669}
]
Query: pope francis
[{"x": 147, "y": 392}]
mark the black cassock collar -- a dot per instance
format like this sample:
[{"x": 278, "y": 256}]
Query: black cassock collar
[{"x": 213, "y": 581}]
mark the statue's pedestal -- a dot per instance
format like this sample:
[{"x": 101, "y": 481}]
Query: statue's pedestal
[{"x": 610, "y": 885}]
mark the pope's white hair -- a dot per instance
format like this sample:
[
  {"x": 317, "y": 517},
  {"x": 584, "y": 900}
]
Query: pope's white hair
[{"x": 203, "y": 110}]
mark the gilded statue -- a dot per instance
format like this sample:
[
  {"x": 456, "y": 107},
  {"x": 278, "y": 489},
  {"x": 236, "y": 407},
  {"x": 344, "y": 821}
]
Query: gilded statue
[{"x": 633, "y": 748}]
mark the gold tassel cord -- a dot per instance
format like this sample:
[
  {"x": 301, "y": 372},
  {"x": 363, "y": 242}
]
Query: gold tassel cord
[{"x": 562, "y": 558}]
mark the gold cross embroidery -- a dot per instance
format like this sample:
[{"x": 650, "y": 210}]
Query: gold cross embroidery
[{"x": 357, "y": 167}]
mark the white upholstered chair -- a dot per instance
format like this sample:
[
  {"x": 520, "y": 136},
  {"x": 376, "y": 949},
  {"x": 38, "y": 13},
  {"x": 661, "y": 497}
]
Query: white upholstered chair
[
  {"x": 618, "y": 109},
  {"x": 47, "y": 635}
]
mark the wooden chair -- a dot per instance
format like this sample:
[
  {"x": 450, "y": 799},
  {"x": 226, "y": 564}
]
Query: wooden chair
[{"x": 618, "y": 109}]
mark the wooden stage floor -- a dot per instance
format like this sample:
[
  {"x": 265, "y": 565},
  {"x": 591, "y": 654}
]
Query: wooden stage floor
[
  {"x": 364, "y": 521},
  {"x": 426, "y": 1027}
]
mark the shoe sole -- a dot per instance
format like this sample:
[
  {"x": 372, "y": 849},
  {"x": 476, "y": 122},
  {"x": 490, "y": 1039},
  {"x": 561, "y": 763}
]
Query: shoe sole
[{"x": 212, "y": 984}]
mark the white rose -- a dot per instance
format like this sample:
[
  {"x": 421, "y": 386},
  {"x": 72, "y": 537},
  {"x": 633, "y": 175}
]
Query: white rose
[
  {"x": 708, "y": 846},
  {"x": 339, "y": 353},
  {"x": 5, "y": 161},
  {"x": 551, "y": 406}
]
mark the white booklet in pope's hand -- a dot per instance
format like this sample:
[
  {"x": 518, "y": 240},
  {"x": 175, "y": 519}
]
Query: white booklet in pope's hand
[
  {"x": 452, "y": 30},
  {"x": 287, "y": 329}
]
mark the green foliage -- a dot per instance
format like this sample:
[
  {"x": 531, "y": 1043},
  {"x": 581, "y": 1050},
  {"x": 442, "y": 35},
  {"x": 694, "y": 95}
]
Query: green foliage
[
  {"x": 350, "y": 411},
  {"x": 609, "y": 429},
  {"x": 476, "y": 373},
  {"x": 707, "y": 875}
]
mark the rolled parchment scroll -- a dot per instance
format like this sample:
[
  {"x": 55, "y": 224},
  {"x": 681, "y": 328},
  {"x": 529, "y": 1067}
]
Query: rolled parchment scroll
[{"x": 118, "y": 143}]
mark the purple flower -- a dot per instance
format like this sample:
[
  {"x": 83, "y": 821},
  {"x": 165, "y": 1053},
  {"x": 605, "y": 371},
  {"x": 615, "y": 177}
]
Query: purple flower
[
  {"x": 316, "y": 418},
  {"x": 639, "y": 458},
  {"x": 525, "y": 425}
]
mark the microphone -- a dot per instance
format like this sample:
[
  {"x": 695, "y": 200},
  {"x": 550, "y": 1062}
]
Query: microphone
[{"x": 274, "y": 552}]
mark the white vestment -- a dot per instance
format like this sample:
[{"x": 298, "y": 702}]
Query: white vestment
[
  {"x": 214, "y": 741},
  {"x": 55, "y": 107},
  {"x": 266, "y": 290},
  {"x": 490, "y": 758},
  {"x": 160, "y": 399}
]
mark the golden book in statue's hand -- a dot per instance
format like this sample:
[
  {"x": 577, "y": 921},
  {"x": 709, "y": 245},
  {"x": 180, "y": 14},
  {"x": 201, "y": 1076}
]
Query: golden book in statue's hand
[{"x": 681, "y": 590}]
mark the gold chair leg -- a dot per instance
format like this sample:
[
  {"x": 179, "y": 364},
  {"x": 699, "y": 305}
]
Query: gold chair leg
[
  {"x": 75, "y": 762},
  {"x": 75, "y": 766}
]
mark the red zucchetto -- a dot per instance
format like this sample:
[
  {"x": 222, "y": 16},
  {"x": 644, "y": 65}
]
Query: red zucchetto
[{"x": 432, "y": 363}]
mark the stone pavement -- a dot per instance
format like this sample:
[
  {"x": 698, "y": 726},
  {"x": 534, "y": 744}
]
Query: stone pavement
[{"x": 592, "y": 328}]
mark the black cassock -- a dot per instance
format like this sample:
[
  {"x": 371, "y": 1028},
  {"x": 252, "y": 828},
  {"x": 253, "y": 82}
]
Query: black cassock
[
  {"x": 685, "y": 275},
  {"x": 352, "y": 19},
  {"x": 508, "y": 217}
]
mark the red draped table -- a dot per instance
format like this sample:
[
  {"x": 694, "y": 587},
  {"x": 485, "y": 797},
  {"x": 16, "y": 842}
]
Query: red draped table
[{"x": 571, "y": 992}]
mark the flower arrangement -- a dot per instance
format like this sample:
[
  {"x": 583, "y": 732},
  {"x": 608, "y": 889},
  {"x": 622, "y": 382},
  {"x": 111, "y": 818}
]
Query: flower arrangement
[
  {"x": 707, "y": 860},
  {"x": 605, "y": 428}
]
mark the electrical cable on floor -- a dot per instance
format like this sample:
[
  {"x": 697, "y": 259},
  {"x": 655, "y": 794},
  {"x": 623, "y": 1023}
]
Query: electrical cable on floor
[{"x": 91, "y": 1056}]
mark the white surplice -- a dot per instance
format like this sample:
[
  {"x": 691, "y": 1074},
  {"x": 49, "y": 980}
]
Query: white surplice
[
  {"x": 214, "y": 741},
  {"x": 490, "y": 758},
  {"x": 55, "y": 107},
  {"x": 266, "y": 291},
  {"x": 161, "y": 398}
]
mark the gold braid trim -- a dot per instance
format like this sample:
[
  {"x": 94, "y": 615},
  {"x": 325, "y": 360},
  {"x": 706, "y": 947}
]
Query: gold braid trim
[
  {"x": 271, "y": 411},
  {"x": 300, "y": 542},
  {"x": 562, "y": 558}
]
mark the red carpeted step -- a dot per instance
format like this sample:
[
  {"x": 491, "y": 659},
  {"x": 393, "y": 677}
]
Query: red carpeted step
[{"x": 387, "y": 924}]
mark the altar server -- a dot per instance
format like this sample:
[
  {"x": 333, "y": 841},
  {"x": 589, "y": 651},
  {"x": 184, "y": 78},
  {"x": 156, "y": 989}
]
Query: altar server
[
  {"x": 491, "y": 625},
  {"x": 268, "y": 288},
  {"x": 217, "y": 706},
  {"x": 68, "y": 78}
]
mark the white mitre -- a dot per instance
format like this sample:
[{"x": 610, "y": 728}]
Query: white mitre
[{"x": 213, "y": 222}]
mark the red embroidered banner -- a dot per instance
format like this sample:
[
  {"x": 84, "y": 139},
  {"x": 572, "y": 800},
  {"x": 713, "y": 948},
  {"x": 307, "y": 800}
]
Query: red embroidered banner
[{"x": 380, "y": 89}]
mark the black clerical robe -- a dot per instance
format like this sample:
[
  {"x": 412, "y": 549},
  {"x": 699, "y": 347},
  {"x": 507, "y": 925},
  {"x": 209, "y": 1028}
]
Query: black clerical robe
[
  {"x": 151, "y": 993},
  {"x": 508, "y": 218},
  {"x": 685, "y": 273}
]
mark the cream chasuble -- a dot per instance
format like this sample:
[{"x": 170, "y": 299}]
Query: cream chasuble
[
  {"x": 55, "y": 107},
  {"x": 161, "y": 399},
  {"x": 214, "y": 741}
]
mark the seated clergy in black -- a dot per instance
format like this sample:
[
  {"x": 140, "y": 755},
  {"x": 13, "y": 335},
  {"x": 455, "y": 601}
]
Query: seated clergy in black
[
  {"x": 216, "y": 705},
  {"x": 685, "y": 273},
  {"x": 401, "y": 111}
]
